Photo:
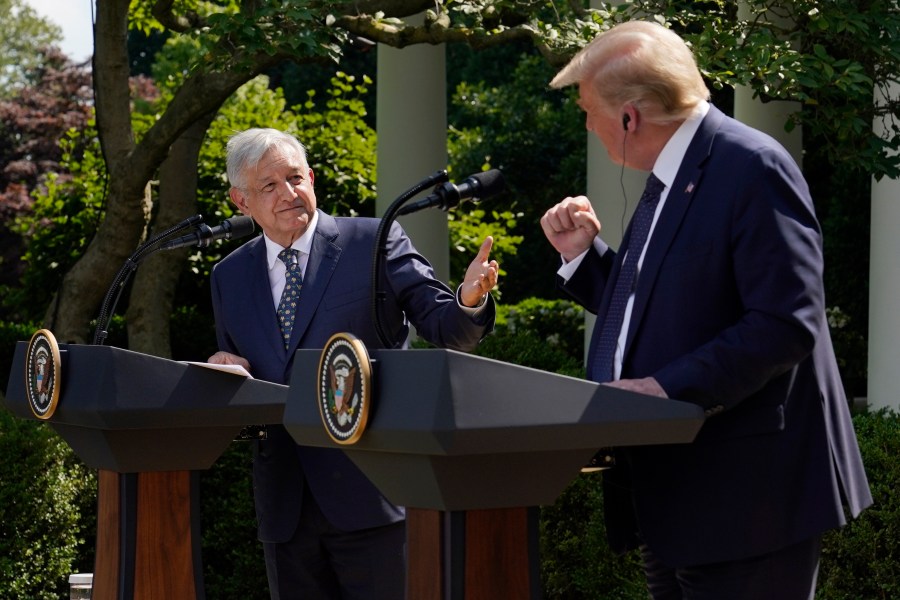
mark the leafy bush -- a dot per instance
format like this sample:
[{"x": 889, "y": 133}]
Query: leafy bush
[
  {"x": 233, "y": 563},
  {"x": 862, "y": 560},
  {"x": 46, "y": 511},
  {"x": 10, "y": 333},
  {"x": 542, "y": 334},
  {"x": 576, "y": 562}
]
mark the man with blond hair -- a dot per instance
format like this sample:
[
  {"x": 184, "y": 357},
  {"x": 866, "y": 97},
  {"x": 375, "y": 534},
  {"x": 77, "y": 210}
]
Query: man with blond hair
[{"x": 715, "y": 297}]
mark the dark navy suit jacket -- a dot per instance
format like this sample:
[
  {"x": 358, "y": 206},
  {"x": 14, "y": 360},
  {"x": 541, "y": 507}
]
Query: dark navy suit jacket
[
  {"x": 729, "y": 313},
  {"x": 336, "y": 297}
]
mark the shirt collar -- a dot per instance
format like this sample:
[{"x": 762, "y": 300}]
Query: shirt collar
[
  {"x": 302, "y": 243},
  {"x": 669, "y": 160}
]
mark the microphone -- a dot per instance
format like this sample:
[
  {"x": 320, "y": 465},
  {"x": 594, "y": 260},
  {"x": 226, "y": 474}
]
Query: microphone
[
  {"x": 233, "y": 228},
  {"x": 448, "y": 195}
]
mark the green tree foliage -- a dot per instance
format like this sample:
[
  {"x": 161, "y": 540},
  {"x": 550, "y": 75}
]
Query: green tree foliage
[
  {"x": 828, "y": 55},
  {"x": 24, "y": 37},
  {"x": 509, "y": 119},
  {"x": 64, "y": 217}
]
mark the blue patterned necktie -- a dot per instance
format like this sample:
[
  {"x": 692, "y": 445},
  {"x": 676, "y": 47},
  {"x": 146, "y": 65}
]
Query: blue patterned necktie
[
  {"x": 626, "y": 281},
  {"x": 293, "y": 281}
]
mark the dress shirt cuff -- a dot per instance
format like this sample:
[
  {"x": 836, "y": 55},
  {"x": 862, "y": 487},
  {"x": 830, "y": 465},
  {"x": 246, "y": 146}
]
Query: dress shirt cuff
[
  {"x": 472, "y": 311},
  {"x": 568, "y": 268}
]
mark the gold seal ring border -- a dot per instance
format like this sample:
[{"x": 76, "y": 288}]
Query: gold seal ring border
[
  {"x": 47, "y": 336},
  {"x": 365, "y": 376}
]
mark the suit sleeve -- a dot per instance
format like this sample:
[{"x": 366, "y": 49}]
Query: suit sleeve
[
  {"x": 587, "y": 284},
  {"x": 428, "y": 303}
]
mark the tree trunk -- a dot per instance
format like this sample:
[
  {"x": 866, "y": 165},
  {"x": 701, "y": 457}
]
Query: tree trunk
[
  {"x": 81, "y": 292},
  {"x": 150, "y": 305},
  {"x": 130, "y": 166}
]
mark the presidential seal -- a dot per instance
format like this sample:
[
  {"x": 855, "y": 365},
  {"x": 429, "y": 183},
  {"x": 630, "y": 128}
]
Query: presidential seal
[
  {"x": 42, "y": 374},
  {"x": 344, "y": 388}
]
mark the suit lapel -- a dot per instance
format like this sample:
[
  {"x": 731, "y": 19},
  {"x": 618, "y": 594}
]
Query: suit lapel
[
  {"x": 261, "y": 295},
  {"x": 323, "y": 259},
  {"x": 687, "y": 180}
]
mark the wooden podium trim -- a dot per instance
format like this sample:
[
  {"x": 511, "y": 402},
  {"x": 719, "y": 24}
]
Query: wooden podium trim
[
  {"x": 473, "y": 555},
  {"x": 106, "y": 560},
  {"x": 148, "y": 536}
]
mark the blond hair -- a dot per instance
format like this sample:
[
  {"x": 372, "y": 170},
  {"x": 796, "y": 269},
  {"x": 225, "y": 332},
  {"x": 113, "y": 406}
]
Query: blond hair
[{"x": 641, "y": 63}]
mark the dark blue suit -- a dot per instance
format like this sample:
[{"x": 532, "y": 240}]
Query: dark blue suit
[
  {"x": 729, "y": 313},
  {"x": 336, "y": 297}
]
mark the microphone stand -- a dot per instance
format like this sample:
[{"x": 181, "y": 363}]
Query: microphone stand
[
  {"x": 380, "y": 253},
  {"x": 114, "y": 292}
]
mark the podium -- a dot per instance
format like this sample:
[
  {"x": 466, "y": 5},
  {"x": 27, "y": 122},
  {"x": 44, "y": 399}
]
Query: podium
[
  {"x": 149, "y": 425},
  {"x": 472, "y": 446}
]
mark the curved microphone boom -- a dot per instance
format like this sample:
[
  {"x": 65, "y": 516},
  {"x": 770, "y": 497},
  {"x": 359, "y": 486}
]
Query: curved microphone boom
[
  {"x": 449, "y": 195},
  {"x": 229, "y": 229},
  {"x": 233, "y": 228}
]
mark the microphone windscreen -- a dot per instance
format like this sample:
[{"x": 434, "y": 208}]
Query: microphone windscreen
[
  {"x": 241, "y": 226},
  {"x": 489, "y": 182}
]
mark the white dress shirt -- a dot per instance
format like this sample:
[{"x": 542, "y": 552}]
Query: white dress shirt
[{"x": 665, "y": 168}]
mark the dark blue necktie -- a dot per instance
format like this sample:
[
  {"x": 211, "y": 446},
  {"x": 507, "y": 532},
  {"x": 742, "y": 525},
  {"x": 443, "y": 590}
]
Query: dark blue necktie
[
  {"x": 293, "y": 281},
  {"x": 626, "y": 281}
]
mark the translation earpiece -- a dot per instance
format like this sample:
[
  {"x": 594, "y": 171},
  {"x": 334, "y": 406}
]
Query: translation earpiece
[{"x": 626, "y": 119}]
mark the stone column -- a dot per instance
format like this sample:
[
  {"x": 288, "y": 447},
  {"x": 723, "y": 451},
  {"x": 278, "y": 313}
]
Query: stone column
[
  {"x": 884, "y": 287},
  {"x": 411, "y": 122}
]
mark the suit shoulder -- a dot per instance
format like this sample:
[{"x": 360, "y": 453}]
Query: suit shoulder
[
  {"x": 356, "y": 223},
  {"x": 239, "y": 257}
]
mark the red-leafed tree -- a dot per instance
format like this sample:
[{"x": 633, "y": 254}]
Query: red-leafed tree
[{"x": 32, "y": 122}]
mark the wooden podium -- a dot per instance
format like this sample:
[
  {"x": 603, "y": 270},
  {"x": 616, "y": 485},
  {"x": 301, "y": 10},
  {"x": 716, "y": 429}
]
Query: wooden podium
[
  {"x": 472, "y": 446},
  {"x": 149, "y": 425}
]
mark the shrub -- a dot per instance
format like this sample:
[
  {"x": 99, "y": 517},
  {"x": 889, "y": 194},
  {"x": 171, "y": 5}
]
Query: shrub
[
  {"x": 542, "y": 334},
  {"x": 862, "y": 560},
  {"x": 233, "y": 563},
  {"x": 46, "y": 496},
  {"x": 576, "y": 562}
]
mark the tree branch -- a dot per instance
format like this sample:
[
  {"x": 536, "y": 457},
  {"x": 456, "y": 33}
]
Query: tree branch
[
  {"x": 162, "y": 11},
  {"x": 437, "y": 30}
]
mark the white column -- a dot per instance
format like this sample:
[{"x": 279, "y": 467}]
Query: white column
[
  {"x": 411, "y": 121},
  {"x": 769, "y": 117},
  {"x": 884, "y": 287}
]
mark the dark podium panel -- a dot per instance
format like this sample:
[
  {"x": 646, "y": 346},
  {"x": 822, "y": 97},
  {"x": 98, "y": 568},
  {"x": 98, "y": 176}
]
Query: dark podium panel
[
  {"x": 480, "y": 440},
  {"x": 149, "y": 425}
]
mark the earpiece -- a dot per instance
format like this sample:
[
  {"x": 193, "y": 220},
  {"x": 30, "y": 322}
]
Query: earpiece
[{"x": 626, "y": 119}]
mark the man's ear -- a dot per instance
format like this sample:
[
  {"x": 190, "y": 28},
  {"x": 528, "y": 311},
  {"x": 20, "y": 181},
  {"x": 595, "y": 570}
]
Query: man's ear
[{"x": 239, "y": 200}]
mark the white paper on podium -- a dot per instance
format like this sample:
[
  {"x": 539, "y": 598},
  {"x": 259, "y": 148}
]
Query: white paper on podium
[{"x": 233, "y": 369}]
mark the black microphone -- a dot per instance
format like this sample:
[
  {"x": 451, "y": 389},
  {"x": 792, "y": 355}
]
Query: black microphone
[
  {"x": 448, "y": 195},
  {"x": 229, "y": 229}
]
